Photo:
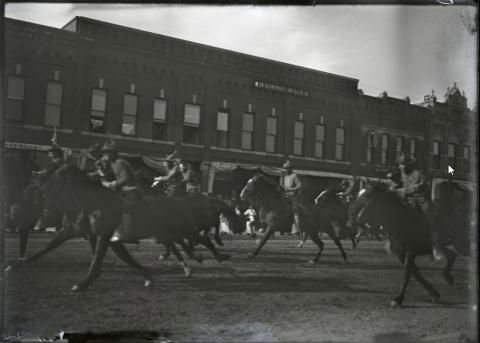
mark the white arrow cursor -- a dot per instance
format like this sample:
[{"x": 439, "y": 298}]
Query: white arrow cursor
[{"x": 450, "y": 170}]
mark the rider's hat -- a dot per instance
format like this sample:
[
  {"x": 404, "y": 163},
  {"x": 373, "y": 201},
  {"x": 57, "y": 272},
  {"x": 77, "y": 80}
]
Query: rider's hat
[
  {"x": 109, "y": 147},
  {"x": 287, "y": 165}
]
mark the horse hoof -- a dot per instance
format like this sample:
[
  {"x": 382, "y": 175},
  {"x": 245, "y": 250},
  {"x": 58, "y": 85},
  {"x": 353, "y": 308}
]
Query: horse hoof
[
  {"x": 147, "y": 283},
  {"x": 8, "y": 269},
  {"x": 299, "y": 245},
  {"x": 162, "y": 258},
  {"x": 312, "y": 262},
  {"x": 76, "y": 288},
  {"x": 435, "y": 297},
  {"x": 395, "y": 303}
]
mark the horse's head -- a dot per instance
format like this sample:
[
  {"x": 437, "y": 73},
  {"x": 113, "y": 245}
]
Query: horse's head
[{"x": 257, "y": 187}]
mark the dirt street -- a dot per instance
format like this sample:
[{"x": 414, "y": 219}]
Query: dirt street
[{"x": 276, "y": 297}]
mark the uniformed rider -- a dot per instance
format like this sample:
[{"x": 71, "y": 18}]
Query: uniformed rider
[
  {"x": 57, "y": 158},
  {"x": 416, "y": 196},
  {"x": 126, "y": 185},
  {"x": 173, "y": 178},
  {"x": 290, "y": 182},
  {"x": 189, "y": 179}
]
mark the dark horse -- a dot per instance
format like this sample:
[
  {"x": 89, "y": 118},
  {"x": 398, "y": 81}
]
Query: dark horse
[
  {"x": 29, "y": 213},
  {"x": 339, "y": 213},
  {"x": 166, "y": 219},
  {"x": 408, "y": 234},
  {"x": 275, "y": 214},
  {"x": 206, "y": 214}
]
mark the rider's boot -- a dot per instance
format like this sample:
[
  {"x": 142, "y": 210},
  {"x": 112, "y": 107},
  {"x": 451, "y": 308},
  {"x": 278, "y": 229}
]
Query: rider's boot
[{"x": 123, "y": 232}]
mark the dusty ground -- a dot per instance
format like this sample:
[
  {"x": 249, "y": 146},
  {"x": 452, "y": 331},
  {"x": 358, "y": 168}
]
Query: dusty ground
[{"x": 276, "y": 297}]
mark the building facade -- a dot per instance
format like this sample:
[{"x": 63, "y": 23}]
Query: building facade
[{"x": 228, "y": 113}]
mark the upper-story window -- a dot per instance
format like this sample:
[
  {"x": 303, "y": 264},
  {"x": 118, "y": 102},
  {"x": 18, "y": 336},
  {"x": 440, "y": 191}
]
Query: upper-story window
[
  {"x": 98, "y": 111},
  {"x": 247, "y": 131},
  {"x": 271, "y": 134},
  {"x": 384, "y": 156},
  {"x": 191, "y": 124},
  {"x": 159, "y": 120},
  {"x": 298, "y": 136},
  {"x": 413, "y": 147},
  {"x": 53, "y": 104},
  {"x": 340, "y": 144},
  {"x": 437, "y": 159},
  {"x": 466, "y": 158},
  {"x": 399, "y": 145},
  {"x": 320, "y": 141},
  {"x": 15, "y": 97},
  {"x": 129, "y": 119},
  {"x": 222, "y": 129},
  {"x": 452, "y": 154},
  {"x": 371, "y": 148}
]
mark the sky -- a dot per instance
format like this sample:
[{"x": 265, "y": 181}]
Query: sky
[{"x": 403, "y": 50}]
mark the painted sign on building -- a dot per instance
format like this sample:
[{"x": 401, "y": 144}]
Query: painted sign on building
[{"x": 279, "y": 88}]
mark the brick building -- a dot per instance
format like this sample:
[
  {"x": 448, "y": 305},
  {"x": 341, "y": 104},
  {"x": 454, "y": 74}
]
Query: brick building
[{"x": 226, "y": 112}]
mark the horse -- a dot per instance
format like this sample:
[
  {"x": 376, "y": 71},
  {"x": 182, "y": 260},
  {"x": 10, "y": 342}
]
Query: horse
[
  {"x": 166, "y": 219},
  {"x": 408, "y": 234},
  {"x": 338, "y": 211},
  {"x": 275, "y": 214},
  {"x": 206, "y": 213},
  {"x": 28, "y": 214}
]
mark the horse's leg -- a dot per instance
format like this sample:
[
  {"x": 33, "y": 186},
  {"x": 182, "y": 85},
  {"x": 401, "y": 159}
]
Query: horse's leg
[
  {"x": 23, "y": 231},
  {"x": 179, "y": 257},
  {"x": 92, "y": 240},
  {"x": 333, "y": 236},
  {"x": 59, "y": 238},
  {"x": 269, "y": 232},
  {"x": 359, "y": 234},
  {"x": 216, "y": 235},
  {"x": 408, "y": 260},
  {"x": 167, "y": 253},
  {"x": 102, "y": 246},
  {"x": 122, "y": 252},
  {"x": 450, "y": 257},
  {"x": 205, "y": 241},
  {"x": 304, "y": 239},
  {"x": 427, "y": 285},
  {"x": 351, "y": 234},
  {"x": 189, "y": 248},
  {"x": 319, "y": 243}
]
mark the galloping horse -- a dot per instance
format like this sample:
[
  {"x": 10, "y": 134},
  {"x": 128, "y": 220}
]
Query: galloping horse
[
  {"x": 409, "y": 235},
  {"x": 206, "y": 214},
  {"x": 275, "y": 215},
  {"x": 339, "y": 212},
  {"x": 166, "y": 219}
]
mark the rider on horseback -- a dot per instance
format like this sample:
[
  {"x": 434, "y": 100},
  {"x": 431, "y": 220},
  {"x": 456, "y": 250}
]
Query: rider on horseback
[
  {"x": 290, "y": 182},
  {"x": 189, "y": 179},
  {"x": 57, "y": 159},
  {"x": 124, "y": 183},
  {"x": 417, "y": 197},
  {"x": 173, "y": 178}
]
